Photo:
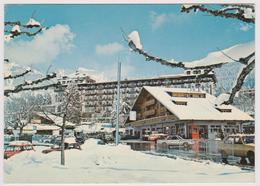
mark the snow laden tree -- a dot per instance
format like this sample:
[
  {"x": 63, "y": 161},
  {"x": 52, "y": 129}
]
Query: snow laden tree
[
  {"x": 67, "y": 112},
  {"x": 242, "y": 12},
  {"x": 14, "y": 29},
  {"x": 19, "y": 110}
]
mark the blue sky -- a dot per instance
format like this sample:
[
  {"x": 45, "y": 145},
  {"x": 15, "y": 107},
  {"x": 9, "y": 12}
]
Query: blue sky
[{"x": 97, "y": 43}]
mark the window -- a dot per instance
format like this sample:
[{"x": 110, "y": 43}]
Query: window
[
  {"x": 230, "y": 140},
  {"x": 249, "y": 139},
  {"x": 179, "y": 102},
  {"x": 170, "y": 93},
  {"x": 173, "y": 138},
  {"x": 238, "y": 140},
  {"x": 224, "y": 109}
]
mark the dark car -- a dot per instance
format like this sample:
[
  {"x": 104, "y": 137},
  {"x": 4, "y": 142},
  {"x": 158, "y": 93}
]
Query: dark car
[{"x": 69, "y": 143}]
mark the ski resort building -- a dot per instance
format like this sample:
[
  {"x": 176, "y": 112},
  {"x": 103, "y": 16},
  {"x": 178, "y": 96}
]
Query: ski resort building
[
  {"x": 188, "y": 113},
  {"x": 99, "y": 97}
]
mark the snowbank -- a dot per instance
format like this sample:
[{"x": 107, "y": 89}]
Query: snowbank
[{"x": 115, "y": 164}]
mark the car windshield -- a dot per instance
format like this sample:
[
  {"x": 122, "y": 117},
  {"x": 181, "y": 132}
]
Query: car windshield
[
  {"x": 249, "y": 139},
  {"x": 172, "y": 138}
]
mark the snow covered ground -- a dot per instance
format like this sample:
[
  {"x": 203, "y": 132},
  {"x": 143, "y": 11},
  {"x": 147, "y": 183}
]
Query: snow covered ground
[{"x": 115, "y": 164}]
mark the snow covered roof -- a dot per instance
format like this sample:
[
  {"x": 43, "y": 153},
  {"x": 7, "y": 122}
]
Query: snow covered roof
[
  {"x": 56, "y": 119},
  {"x": 198, "y": 108},
  {"x": 218, "y": 57}
]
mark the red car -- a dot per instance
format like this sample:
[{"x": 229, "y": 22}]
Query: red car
[{"x": 16, "y": 147}]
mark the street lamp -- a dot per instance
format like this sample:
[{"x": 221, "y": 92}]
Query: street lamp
[{"x": 118, "y": 102}]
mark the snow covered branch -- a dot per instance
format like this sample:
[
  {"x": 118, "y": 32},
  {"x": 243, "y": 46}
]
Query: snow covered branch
[
  {"x": 22, "y": 86},
  {"x": 240, "y": 80},
  {"x": 135, "y": 44},
  {"x": 243, "y": 12},
  {"x": 213, "y": 60},
  {"x": 26, "y": 29},
  {"x": 18, "y": 75}
]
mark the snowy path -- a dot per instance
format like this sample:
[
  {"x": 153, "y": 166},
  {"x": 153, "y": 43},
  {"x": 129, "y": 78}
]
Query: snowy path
[{"x": 110, "y": 164}]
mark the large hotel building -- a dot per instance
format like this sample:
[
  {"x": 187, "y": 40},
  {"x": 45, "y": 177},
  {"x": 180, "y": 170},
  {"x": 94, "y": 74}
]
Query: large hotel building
[{"x": 99, "y": 97}]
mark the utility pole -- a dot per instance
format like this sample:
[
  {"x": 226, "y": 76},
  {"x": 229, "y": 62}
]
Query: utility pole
[{"x": 118, "y": 102}]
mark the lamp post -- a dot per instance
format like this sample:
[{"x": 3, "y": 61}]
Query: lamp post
[{"x": 118, "y": 102}]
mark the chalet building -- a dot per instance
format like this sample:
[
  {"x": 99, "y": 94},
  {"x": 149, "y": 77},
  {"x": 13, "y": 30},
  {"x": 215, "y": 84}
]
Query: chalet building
[
  {"x": 191, "y": 114},
  {"x": 44, "y": 125},
  {"x": 99, "y": 97}
]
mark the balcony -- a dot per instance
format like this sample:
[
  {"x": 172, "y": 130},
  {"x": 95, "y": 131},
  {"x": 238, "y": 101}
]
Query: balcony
[
  {"x": 149, "y": 112},
  {"x": 150, "y": 102}
]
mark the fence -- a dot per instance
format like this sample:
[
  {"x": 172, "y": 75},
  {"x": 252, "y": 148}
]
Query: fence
[{"x": 202, "y": 149}]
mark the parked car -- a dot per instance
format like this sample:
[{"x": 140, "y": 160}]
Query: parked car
[
  {"x": 129, "y": 137},
  {"x": 16, "y": 147},
  {"x": 146, "y": 134},
  {"x": 240, "y": 145},
  {"x": 175, "y": 140},
  {"x": 156, "y": 136}
]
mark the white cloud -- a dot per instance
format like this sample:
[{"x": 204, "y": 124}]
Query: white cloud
[
  {"x": 158, "y": 20},
  {"x": 127, "y": 70},
  {"x": 245, "y": 27},
  {"x": 109, "y": 49},
  {"x": 43, "y": 48}
]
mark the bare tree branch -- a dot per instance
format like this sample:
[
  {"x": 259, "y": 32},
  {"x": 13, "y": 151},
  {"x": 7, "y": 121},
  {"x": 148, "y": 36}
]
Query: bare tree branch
[
  {"x": 13, "y": 23},
  {"x": 240, "y": 80},
  {"x": 44, "y": 87},
  {"x": 18, "y": 75},
  {"x": 238, "y": 14},
  {"x": 149, "y": 57},
  {"x": 30, "y": 34}
]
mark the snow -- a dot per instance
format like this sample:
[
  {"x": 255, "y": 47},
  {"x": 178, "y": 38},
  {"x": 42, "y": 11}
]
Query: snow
[
  {"x": 8, "y": 38},
  {"x": 134, "y": 37},
  {"x": 56, "y": 119},
  {"x": 29, "y": 82},
  {"x": 94, "y": 128},
  {"x": 248, "y": 13},
  {"x": 222, "y": 98},
  {"x": 217, "y": 57},
  {"x": 16, "y": 28},
  {"x": 70, "y": 140},
  {"x": 196, "y": 108},
  {"x": 33, "y": 22},
  {"x": 115, "y": 164},
  {"x": 186, "y": 6},
  {"x": 19, "y": 143}
]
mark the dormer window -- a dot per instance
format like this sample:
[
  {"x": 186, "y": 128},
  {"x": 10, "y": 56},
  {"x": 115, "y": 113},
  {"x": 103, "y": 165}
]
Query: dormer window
[
  {"x": 179, "y": 102},
  {"x": 223, "y": 109}
]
